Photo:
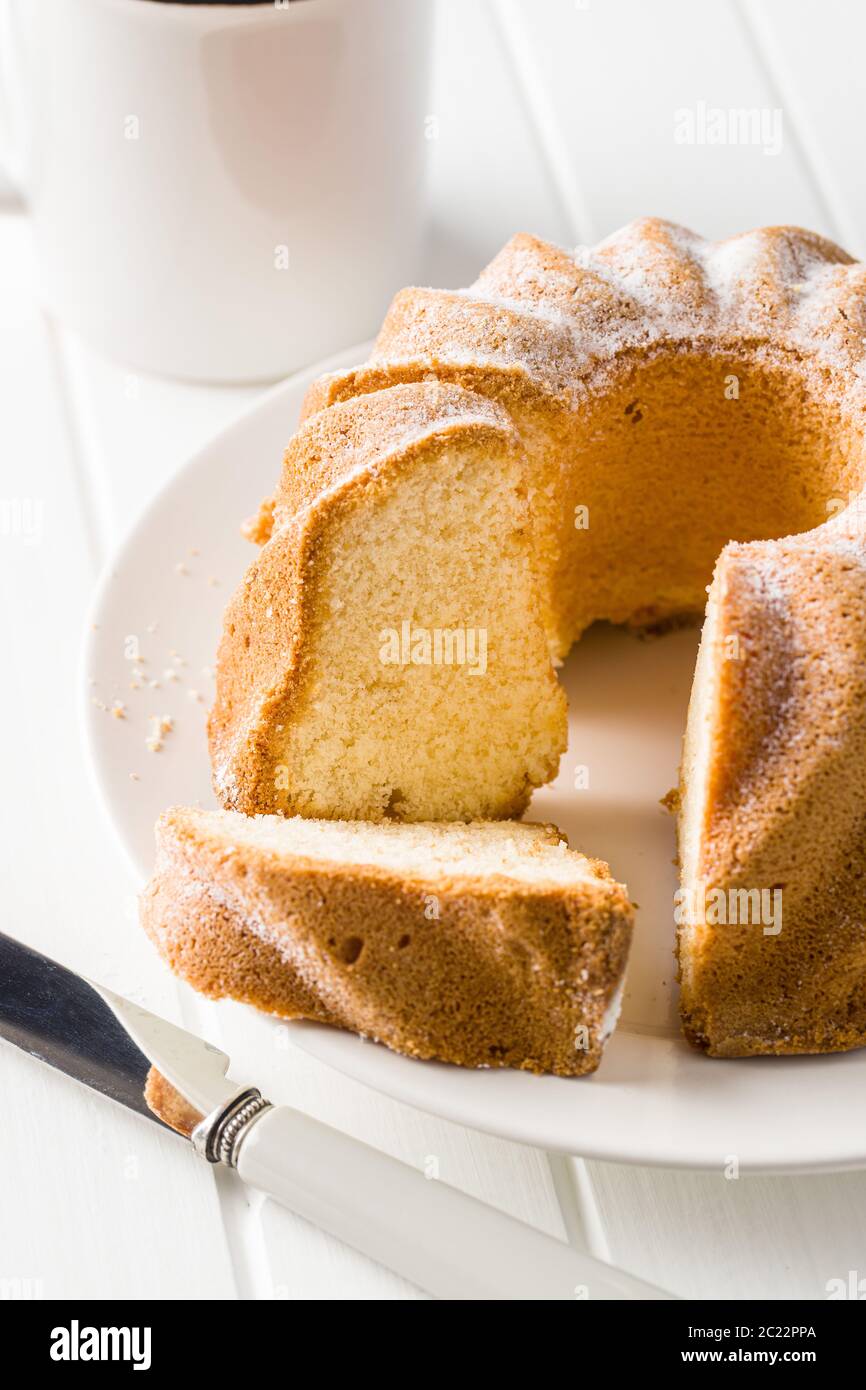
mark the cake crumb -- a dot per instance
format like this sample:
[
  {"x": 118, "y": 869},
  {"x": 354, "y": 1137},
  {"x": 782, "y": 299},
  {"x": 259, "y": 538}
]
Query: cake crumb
[{"x": 160, "y": 725}]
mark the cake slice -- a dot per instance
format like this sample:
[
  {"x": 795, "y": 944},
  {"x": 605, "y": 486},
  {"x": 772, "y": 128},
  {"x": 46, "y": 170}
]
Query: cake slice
[
  {"x": 772, "y": 803},
  {"x": 489, "y": 944},
  {"x": 385, "y": 655}
]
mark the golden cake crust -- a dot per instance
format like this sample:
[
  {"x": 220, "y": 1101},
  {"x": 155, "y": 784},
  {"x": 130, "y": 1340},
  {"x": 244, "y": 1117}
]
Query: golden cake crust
[{"x": 504, "y": 975}]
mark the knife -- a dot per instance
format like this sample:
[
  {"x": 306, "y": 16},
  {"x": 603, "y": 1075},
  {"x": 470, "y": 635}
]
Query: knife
[{"x": 439, "y": 1238}]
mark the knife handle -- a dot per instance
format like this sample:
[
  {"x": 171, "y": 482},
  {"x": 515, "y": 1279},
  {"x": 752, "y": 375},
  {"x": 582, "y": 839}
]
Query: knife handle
[{"x": 441, "y": 1239}]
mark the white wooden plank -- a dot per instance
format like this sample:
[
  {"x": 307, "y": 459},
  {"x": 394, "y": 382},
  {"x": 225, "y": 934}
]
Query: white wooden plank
[
  {"x": 487, "y": 177},
  {"x": 815, "y": 59},
  {"x": 605, "y": 80},
  {"x": 93, "y": 1202},
  {"x": 96, "y": 1204},
  {"x": 708, "y": 1236}
]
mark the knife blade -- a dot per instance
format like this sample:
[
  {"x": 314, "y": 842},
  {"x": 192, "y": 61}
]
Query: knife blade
[
  {"x": 103, "y": 1040},
  {"x": 436, "y": 1236}
]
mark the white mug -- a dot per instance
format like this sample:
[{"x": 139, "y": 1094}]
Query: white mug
[{"x": 219, "y": 192}]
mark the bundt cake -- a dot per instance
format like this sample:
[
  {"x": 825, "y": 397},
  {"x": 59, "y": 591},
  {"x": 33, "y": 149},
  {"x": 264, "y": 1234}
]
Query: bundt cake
[
  {"x": 656, "y": 403},
  {"x": 488, "y": 944}
]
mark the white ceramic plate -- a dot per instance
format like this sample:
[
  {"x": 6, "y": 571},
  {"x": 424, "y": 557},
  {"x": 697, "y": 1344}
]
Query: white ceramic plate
[{"x": 653, "y": 1099}]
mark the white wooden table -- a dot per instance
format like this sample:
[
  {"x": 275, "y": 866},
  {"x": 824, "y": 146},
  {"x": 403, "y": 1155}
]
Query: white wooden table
[{"x": 555, "y": 117}]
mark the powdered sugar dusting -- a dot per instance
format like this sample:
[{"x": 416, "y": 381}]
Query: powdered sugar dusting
[{"x": 653, "y": 282}]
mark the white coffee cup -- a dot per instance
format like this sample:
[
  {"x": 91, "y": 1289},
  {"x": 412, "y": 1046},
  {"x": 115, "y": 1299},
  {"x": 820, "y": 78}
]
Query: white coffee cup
[{"x": 221, "y": 193}]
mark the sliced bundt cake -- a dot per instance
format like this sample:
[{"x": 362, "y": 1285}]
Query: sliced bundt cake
[{"x": 656, "y": 403}]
